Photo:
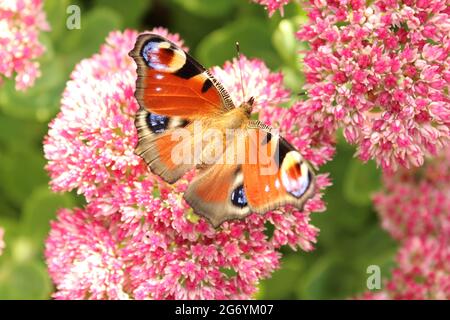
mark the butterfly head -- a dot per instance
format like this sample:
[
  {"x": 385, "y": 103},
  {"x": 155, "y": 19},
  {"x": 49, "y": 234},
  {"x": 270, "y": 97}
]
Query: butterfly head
[{"x": 248, "y": 106}]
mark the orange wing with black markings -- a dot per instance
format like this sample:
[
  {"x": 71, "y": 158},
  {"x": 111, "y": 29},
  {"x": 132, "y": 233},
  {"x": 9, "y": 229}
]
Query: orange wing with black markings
[
  {"x": 273, "y": 174},
  {"x": 278, "y": 177},
  {"x": 171, "y": 83},
  {"x": 172, "y": 90},
  {"x": 217, "y": 194}
]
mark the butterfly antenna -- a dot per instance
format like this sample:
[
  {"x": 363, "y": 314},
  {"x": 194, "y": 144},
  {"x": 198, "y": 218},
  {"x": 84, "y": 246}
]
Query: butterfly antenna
[{"x": 238, "y": 49}]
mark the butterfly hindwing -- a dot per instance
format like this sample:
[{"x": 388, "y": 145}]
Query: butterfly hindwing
[
  {"x": 156, "y": 143},
  {"x": 217, "y": 194},
  {"x": 280, "y": 176},
  {"x": 273, "y": 174}
]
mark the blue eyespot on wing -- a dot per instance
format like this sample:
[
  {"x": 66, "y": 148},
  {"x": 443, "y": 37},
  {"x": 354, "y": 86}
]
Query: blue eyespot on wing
[{"x": 238, "y": 197}]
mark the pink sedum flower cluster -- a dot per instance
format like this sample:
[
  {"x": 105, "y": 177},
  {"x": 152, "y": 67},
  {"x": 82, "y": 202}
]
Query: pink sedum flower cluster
[
  {"x": 83, "y": 259},
  {"x": 381, "y": 71},
  {"x": 137, "y": 238},
  {"x": 315, "y": 144},
  {"x": 21, "y": 21},
  {"x": 273, "y": 5},
  {"x": 415, "y": 209},
  {"x": 417, "y": 202},
  {"x": 423, "y": 272}
]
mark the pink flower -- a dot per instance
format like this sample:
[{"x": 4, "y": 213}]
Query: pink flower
[
  {"x": 83, "y": 257},
  {"x": 91, "y": 142},
  {"x": 20, "y": 24},
  {"x": 376, "y": 295},
  {"x": 164, "y": 250},
  {"x": 2, "y": 242},
  {"x": 273, "y": 5},
  {"x": 417, "y": 202},
  {"x": 415, "y": 209},
  {"x": 381, "y": 72},
  {"x": 296, "y": 124},
  {"x": 142, "y": 226},
  {"x": 423, "y": 271}
]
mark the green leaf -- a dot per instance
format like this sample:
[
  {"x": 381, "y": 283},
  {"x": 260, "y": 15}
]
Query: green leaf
[
  {"x": 253, "y": 36},
  {"x": 10, "y": 225},
  {"x": 375, "y": 246},
  {"x": 313, "y": 284},
  {"x": 56, "y": 16},
  {"x": 207, "y": 8},
  {"x": 23, "y": 249},
  {"x": 192, "y": 28},
  {"x": 229, "y": 272},
  {"x": 285, "y": 43},
  {"x": 96, "y": 24},
  {"x": 131, "y": 11},
  {"x": 7, "y": 210},
  {"x": 39, "y": 209},
  {"x": 28, "y": 280},
  {"x": 293, "y": 80},
  {"x": 11, "y": 231},
  {"x": 49, "y": 53},
  {"x": 361, "y": 181},
  {"x": 341, "y": 216},
  {"x": 296, "y": 10},
  {"x": 21, "y": 171},
  {"x": 283, "y": 281},
  {"x": 12, "y": 130},
  {"x": 288, "y": 48}
]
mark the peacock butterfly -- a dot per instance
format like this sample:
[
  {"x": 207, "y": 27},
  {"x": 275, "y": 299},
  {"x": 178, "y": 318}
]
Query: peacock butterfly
[{"x": 243, "y": 166}]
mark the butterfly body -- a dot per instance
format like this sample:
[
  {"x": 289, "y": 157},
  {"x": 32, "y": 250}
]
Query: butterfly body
[
  {"x": 233, "y": 119},
  {"x": 187, "y": 121}
]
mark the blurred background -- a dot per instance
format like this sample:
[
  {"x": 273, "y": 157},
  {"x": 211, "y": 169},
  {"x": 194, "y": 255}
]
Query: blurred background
[{"x": 351, "y": 237}]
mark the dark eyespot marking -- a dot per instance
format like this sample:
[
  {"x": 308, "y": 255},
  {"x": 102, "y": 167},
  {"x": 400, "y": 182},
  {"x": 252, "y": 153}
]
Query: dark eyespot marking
[
  {"x": 283, "y": 147},
  {"x": 157, "y": 123},
  {"x": 172, "y": 47},
  {"x": 206, "y": 85},
  {"x": 188, "y": 70},
  {"x": 310, "y": 177},
  {"x": 267, "y": 138},
  {"x": 155, "y": 39},
  {"x": 181, "y": 123},
  {"x": 238, "y": 197}
]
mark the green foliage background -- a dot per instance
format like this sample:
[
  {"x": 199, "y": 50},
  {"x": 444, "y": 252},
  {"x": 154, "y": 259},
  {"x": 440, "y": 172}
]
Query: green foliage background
[{"x": 351, "y": 238}]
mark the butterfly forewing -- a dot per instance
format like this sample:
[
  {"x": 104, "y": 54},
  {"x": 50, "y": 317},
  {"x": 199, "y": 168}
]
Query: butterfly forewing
[{"x": 170, "y": 82}]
